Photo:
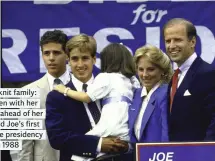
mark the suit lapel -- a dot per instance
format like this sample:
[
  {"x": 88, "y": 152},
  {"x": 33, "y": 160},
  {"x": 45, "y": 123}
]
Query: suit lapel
[
  {"x": 43, "y": 84},
  {"x": 149, "y": 109},
  {"x": 168, "y": 94},
  {"x": 71, "y": 85},
  {"x": 136, "y": 106},
  {"x": 82, "y": 107},
  {"x": 188, "y": 78}
]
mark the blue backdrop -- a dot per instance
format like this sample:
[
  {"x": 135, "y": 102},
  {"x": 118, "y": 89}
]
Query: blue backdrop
[{"x": 133, "y": 24}]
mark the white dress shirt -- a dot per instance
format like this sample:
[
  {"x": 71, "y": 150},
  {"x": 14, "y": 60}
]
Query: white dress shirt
[
  {"x": 79, "y": 87},
  {"x": 65, "y": 78},
  {"x": 138, "y": 123},
  {"x": 185, "y": 67}
]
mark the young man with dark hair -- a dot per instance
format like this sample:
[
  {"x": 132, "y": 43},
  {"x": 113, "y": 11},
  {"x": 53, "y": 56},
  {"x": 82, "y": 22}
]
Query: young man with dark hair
[{"x": 54, "y": 56}]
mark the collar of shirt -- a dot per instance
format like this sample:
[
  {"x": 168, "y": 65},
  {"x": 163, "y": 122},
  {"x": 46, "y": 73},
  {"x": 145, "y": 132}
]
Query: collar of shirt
[
  {"x": 186, "y": 65},
  {"x": 65, "y": 78},
  {"x": 144, "y": 91},
  {"x": 78, "y": 84}
]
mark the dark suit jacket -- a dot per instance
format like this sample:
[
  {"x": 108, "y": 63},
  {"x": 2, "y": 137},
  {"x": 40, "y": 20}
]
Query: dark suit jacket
[
  {"x": 154, "y": 123},
  {"x": 66, "y": 123},
  {"x": 193, "y": 117},
  {"x": 5, "y": 155}
]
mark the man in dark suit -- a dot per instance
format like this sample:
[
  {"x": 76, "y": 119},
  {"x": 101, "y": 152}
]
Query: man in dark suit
[
  {"x": 192, "y": 90},
  {"x": 68, "y": 120}
]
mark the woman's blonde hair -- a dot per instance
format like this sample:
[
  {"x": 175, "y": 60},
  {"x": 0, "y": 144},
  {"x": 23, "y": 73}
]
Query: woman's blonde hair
[{"x": 156, "y": 57}]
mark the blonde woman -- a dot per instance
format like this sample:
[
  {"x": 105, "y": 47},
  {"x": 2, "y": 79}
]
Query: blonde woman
[{"x": 148, "y": 112}]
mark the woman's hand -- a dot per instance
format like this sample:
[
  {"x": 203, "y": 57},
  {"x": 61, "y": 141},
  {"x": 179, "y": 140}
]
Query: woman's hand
[{"x": 60, "y": 88}]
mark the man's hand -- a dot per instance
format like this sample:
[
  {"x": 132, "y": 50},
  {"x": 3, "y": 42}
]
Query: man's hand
[{"x": 113, "y": 145}]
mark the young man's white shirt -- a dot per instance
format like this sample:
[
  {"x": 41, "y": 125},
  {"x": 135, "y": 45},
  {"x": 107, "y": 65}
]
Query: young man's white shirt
[{"x": 79, "y": 87}]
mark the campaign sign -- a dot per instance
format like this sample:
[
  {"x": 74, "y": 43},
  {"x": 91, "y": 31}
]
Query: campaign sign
[
  {"x": 195, "y": 151},
  {"x": 121, "y": 21}
]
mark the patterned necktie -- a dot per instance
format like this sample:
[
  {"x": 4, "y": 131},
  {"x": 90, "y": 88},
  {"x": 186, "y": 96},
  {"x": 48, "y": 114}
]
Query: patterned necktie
[
  {"x": 174, "y": 86},
  {"x": 57, "y": 81},
  {"x": 93, "y": 108}
]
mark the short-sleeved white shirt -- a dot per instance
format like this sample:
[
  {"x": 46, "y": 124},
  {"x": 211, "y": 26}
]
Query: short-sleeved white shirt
[{"x": 114, "y": 116}]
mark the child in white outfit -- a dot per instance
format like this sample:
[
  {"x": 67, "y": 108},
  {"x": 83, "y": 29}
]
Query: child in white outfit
[{"x": 116, "y": 90}]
